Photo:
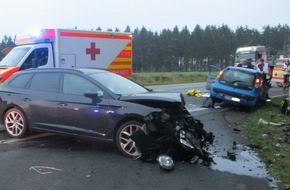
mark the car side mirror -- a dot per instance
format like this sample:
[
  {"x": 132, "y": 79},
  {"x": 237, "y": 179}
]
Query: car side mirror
[
  {"x": 92, "y": 95},
  {"x": 95, "y": 96}
]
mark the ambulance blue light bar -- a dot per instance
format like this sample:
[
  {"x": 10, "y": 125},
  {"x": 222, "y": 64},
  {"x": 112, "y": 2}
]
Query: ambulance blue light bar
[{"x": 40, "y": 36}]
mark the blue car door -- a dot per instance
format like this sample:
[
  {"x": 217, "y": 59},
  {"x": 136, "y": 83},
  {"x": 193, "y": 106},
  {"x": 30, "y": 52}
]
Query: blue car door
[{"x": 213, "y": 72}]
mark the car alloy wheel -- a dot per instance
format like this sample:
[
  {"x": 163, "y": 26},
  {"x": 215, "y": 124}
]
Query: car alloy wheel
[
  {"x": 15, "y": 123},
  {"x": 125, "y": 144}
]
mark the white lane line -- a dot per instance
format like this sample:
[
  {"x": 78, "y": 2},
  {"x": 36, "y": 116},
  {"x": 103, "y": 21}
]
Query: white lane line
[
  {"x": 194, "y": 110},
  {"x": 7, "y": 141}
]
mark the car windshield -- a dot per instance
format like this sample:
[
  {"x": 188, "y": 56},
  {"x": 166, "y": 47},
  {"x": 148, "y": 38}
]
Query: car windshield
[
  {"x": 237, "y": 76},
  {"x": 242, "y": 55},
  {"x": 118, "y": 84},
  {"x": 14, "y": 57}
]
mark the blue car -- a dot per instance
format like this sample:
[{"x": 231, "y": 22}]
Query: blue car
[{"x": 241, "y": 86}]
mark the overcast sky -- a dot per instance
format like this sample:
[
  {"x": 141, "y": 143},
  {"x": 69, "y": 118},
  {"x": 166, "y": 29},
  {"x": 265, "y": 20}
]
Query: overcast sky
[{"x": 18, "y": 16}]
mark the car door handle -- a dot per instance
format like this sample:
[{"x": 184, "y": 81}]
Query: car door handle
[
  {"x": 26, "y": 99},
  {"x": 62, "y": 104}
]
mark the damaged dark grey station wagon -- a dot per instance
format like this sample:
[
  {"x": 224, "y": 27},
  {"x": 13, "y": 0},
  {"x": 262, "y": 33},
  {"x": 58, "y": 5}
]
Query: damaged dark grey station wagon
[{"x": 97, "y": 104}]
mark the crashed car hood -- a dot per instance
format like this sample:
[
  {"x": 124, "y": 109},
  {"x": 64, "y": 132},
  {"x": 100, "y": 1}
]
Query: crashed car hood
[{"x": 154, "y": 99}]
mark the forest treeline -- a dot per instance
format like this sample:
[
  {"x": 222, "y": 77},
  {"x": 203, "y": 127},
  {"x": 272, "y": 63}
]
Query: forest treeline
[{"x": 184, "y": 50}]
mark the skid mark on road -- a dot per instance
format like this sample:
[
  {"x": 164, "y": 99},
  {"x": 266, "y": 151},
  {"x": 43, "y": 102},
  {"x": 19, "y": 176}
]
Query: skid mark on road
[{"x": 8, "y": 141}]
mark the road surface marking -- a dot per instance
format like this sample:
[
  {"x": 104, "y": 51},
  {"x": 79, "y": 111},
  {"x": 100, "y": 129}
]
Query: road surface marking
[
  {"x": 43, "y": 169},
  {"x": 194, "y": 110}
]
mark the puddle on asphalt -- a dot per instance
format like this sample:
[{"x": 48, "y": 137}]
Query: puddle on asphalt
[{"x": 245, "y": 162}]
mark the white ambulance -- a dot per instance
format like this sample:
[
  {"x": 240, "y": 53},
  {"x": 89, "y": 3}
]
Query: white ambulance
[
  {"x": 253, "y": 52},
  {"x": 68, "y": 49}
]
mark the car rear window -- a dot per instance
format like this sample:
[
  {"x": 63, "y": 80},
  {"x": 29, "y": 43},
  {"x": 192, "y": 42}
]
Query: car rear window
[{"x": 238, "y": 79}]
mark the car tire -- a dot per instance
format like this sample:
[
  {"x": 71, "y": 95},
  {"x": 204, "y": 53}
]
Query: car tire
[
  {"x": 215, "y": 100},
  {"x": 124, "y": 143},
  {"x": 15, "y": 123}
]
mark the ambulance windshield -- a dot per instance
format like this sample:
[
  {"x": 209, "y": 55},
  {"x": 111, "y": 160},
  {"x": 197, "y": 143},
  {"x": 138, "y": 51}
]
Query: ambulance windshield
[
  {"x": 14, "y": 57},
  {"x": 244, "y": 55}
]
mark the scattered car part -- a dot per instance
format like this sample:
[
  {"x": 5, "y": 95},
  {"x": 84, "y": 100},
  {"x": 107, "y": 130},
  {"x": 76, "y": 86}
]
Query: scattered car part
[{"x": 165, "y": 162}]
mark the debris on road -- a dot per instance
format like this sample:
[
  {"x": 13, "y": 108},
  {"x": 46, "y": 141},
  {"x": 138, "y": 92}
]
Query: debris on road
[
  {"x": 197, "y": 93},
  {"x": 263, "y": 122}
]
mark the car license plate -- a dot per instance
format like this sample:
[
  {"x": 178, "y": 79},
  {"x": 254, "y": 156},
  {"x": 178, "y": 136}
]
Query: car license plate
[{"x": 235, "y": 99}]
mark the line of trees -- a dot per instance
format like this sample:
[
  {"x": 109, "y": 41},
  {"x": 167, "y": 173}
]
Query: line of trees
[
  {"x": 184, "y": 50},
  {"x": 6, "y": 42}
]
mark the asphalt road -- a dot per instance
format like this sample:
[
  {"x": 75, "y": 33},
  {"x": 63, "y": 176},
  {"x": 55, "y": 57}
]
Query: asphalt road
[{"x": 48, "y": 161}]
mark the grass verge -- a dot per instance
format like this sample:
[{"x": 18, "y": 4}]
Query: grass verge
[
  {"x": 272, "y": 139},
  {"x": 157, "y": 78}
]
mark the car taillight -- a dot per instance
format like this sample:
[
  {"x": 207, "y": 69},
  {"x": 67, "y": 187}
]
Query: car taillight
[
  {"x": 219, "y": 75},
  {"x": 258, "y": 82}
]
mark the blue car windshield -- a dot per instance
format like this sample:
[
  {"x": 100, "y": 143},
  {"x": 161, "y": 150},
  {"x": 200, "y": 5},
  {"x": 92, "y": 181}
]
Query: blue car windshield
[{"x": 118, "y": 84}]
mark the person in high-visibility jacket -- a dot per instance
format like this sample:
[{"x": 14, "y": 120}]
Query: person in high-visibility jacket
[{"x": 286, "y": 67}]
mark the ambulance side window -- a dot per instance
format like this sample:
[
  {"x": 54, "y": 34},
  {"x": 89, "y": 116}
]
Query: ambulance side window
[
  {"x": 43, "y": 56},
  {"x": 37, "y": 57}
]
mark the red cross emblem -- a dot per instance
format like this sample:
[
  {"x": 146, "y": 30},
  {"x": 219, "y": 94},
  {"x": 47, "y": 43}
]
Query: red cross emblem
[{"x": 93, "y": 51}]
